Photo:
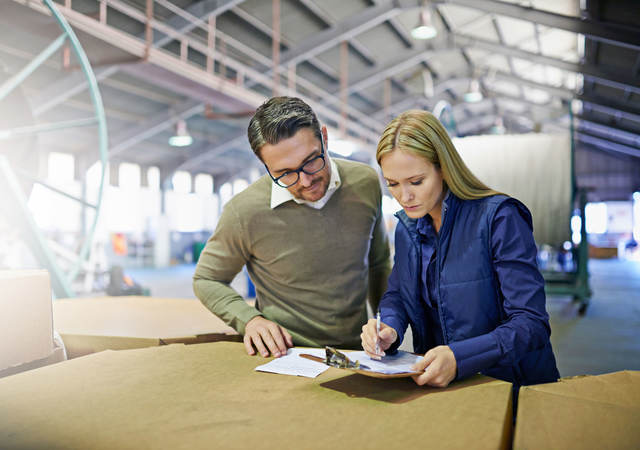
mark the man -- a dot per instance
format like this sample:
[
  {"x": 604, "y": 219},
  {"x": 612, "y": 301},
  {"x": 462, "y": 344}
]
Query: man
[{"x": 310, "y": 233}]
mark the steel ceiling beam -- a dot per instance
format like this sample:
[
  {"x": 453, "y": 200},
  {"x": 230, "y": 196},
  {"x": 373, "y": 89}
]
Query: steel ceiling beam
[
  {"x": 618, "y": 78},
  {"x": 602, "y": 106},
  {"x": 74, "y": 84},
  {"x": 202, "y": 10},
  {"x": 342, "y": 31},
  {"x": 65, "y": 88},
  {"x": 607, "y": 32},
  {"x": 153, "y": 125},
  {"x": 356, "y": 45},
  {"x": 206, "y": 153},
  {"x": 256, "y": 77},
  {"x": 160, "y": 58},
  {"x": 266, "y": 29},
  {"x": 392, "y": 68},
  {"x": 559, "y": 92},
  {"x": 605, "y": 131},
  {"x": 607, "y": 145}
]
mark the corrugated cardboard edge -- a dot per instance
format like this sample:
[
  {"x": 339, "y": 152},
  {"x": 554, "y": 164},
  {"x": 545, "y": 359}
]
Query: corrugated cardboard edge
[
  {"x": 82, "y": 344},
  {"x": 508, "y": 430},
  {"x": 546, "y": 389},
  {"x": 56, "y": 356}
]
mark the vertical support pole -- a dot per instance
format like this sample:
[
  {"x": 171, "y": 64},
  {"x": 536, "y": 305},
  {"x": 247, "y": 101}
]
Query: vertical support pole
[
  {"x": 66, "y": 57},
  {"x": 240, "y": 77},
  {"x": 344, "y": 80},
  {"x": 162, "y": 247},
  {"x": 103, "y": 12},
  {"x": 291, "y": 79},
  {"x": 83, "y": 195},
  {"x": 223, "y": 54},
  {"x": 275, "y": 39},
  {"x": 184, "y": 50},
  {"x": 67, "y": 4},
  {"x": 114, "y": 173},
  {"x": 211, "y": 43},
  {"x": 387, "y": 98},
  {"x": 148, "y": 30},
  {"x": 144, "y": 176}
]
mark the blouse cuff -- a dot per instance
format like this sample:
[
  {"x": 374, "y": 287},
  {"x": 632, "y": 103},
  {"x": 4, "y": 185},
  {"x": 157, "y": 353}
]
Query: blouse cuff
[{"x": 475, "y": 354}]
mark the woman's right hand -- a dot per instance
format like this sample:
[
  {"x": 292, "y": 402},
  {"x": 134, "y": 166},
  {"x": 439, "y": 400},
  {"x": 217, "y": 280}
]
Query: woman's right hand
[{"x": 387, "y": 337}]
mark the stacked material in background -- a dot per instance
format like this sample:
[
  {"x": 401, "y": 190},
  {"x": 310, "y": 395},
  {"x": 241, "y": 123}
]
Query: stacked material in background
[{"x": 535, "y": 169}]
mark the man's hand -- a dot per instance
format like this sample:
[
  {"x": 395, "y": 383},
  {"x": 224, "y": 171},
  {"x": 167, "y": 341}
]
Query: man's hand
[
  {"x": 268, "y": 338},
  {"x": 439, "y": 365},
  {"x": 368, "y": 336}
]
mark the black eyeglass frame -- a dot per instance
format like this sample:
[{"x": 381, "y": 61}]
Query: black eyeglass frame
[{"x": 300, "y": 169}]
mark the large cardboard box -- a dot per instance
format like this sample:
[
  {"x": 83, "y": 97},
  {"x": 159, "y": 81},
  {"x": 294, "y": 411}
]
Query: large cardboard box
[
  {"x": 586, "y": 412},
  {"x": 26, "y": 330},
  {"x": 209, "y": 396},
  {"x": 90, "y": 325}
]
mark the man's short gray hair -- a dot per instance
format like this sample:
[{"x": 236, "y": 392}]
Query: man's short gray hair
[{"x": 280, "y": 118}]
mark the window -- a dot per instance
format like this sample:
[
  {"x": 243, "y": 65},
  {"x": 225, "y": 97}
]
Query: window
[
  {"x": 153, "y": 178},
  {"x": 129, "y": 176},
  {"x": 61, "y": 167},
  {"x": 203, "y": 184},
  {"x": 239, "y": 185},
  {"x": 182, "y": 182}
]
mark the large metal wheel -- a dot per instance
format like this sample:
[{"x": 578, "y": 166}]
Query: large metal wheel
[{"x": 18, "y": 174}]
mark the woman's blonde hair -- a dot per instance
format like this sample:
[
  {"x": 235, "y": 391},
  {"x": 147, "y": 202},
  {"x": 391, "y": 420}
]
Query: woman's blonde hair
[{"x": 421, "y": 133}]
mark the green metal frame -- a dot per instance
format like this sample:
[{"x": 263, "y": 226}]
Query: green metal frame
[
  {"x": 17, "y": 201},
  {"x": 574, "y": 284}
]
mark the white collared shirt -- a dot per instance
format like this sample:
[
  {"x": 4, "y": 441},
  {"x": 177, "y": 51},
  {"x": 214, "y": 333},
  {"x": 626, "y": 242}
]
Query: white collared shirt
[{"x": 280, "y": 195}]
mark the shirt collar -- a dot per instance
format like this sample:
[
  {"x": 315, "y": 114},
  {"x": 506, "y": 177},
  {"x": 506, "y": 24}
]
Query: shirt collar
[
  {"x": 280, "y": 195},
  {"x": 425, "y": 223}
]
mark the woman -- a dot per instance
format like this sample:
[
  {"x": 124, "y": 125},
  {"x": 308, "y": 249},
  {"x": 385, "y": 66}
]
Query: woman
[{"x": 465, "y": 275}]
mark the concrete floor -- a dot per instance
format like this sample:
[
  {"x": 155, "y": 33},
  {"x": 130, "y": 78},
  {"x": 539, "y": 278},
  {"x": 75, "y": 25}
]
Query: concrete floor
[{"x": 606, "y": 339}]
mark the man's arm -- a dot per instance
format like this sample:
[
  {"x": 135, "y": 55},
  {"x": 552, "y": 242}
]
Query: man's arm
[
  {"x": 221, "y": 260},
  {"x": 379, "y": 261}
]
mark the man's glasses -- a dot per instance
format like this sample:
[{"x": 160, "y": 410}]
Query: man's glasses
[{"x": 314, "y": 165}]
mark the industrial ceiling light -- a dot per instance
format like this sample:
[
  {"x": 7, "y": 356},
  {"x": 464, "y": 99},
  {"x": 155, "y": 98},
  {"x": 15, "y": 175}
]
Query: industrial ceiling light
[
  {"x": 498, "y": 127},
  {"x": 181, "y": 138},
  {"x": 473, "y": 95},
  {"x": 424, "y": 29}
]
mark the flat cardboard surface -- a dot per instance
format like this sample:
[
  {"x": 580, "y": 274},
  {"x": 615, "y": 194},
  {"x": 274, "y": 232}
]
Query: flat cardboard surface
[
  {"x": 90, "y": 325},
  {"x": 26, "y": 332},
  {"x": 209, "y": 396},
  {"x": 588, "y": 412}
]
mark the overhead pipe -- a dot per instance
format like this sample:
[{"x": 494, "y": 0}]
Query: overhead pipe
[{"x": 275, "y": 44}]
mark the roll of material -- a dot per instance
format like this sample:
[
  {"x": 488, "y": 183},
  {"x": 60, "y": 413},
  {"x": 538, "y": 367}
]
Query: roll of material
[{"x": 535, "y": 169}]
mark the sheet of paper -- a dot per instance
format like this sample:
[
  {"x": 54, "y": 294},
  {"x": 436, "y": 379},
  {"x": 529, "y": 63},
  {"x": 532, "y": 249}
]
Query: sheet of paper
[
  {"x": 293, "y": 364},
  {"x": 401, "y": 362}
]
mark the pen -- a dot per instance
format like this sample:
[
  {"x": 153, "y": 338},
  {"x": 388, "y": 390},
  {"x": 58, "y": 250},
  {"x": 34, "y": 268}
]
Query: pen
[{"x": 378, "y": 332}]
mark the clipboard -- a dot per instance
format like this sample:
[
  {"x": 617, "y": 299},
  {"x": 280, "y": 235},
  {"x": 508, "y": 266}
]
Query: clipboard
[{"x": 367, "y": 373}]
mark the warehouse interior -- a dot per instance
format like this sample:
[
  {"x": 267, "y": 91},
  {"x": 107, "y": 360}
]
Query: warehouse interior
[{"x": 123, "y": 134}]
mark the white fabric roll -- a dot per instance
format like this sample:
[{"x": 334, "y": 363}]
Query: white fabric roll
[{"x": 535, "y": 169}]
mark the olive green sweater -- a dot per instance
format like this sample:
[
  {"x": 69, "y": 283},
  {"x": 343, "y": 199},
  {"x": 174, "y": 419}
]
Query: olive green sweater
[{"x": 311, "y": 268}]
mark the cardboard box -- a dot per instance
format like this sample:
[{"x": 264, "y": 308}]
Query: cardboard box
[
  {"x": 90, "y": 325},
  {"x": 26, "y": 330},
  {"x": 56, "y": 356},
  {"x": 209, "y": 396},
  {"x": 587, "y": 412}
]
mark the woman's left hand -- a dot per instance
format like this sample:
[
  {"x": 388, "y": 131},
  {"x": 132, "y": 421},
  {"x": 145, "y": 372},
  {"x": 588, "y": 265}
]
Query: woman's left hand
[{"x": 439, "y": 365}]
